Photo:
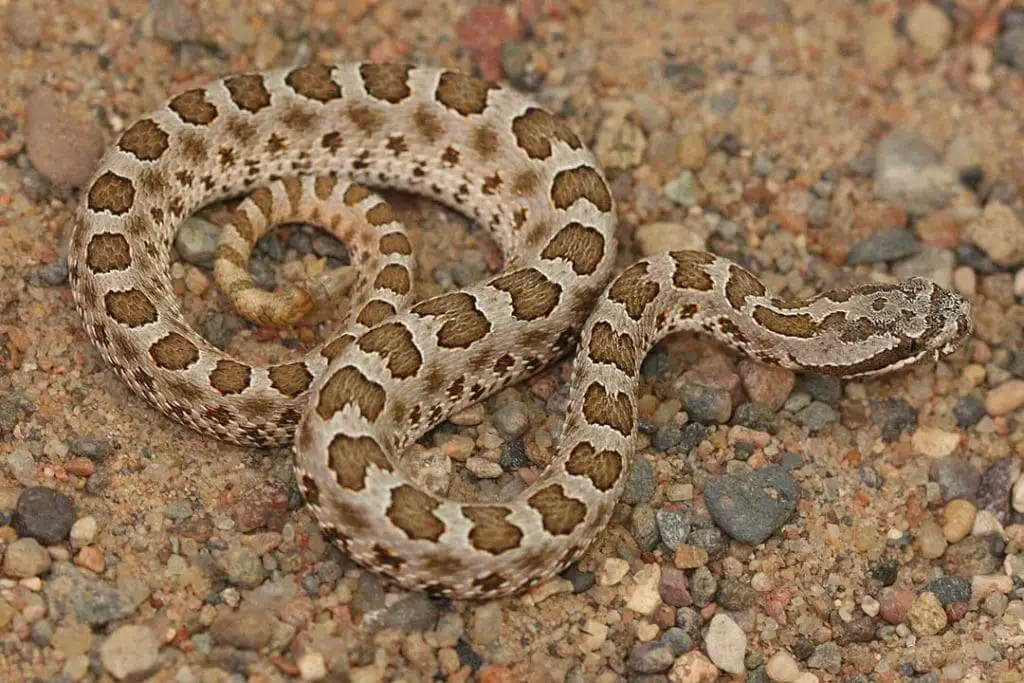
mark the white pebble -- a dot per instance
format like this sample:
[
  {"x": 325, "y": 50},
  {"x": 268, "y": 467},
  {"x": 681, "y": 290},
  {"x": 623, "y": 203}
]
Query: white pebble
[
  {"x": 782, "y": 668},
  {"x": 612, "y": 571},
  {"x": 83, "y": 532},
  {"x": 726, "y": 644},
  {"x": 312, "y": 667}
]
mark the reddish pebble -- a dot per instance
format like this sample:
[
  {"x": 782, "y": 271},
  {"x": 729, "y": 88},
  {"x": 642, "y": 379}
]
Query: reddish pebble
[
  {"x": 894, "y": 606},
  {"x": 80, "y": 467},
  {"x": 91, "y": 557}
]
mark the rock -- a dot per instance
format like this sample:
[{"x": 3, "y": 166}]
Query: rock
[
  {"x": 612, "y": 571},
  {"x": 312, "y": 666},
  {"x": 882, "y": 47},
  {"x": 1017, "y": 500},
  {"x": 512, "y": 420},
  {"x": 750, "y": 507},
  {"x": 968, "y": 410},
  {"x": 950, "y": 589},
  {"x": 907, "y": 172},
  {"x": 131, "y": 652},
  {"x": 643, "y": 596},
  {"x": 415, "y": 613},
  {"x": 766, "y": 384},
  {"x": 83, "y": 532},
  {"x": 650, "y": 658},
  {"x": 22, "y": 466},
  {"x": 933, "y": 442},
  {"x": 91, "y": 600},
  {"x": 693, "y": 667},
  {"x": 816, "y": 416},
  {"x": 175, "y": 22},
  {"x": 956, "y": 477},
  {"x": 196, "y": 241},
  {"x": 25, "y": 558},
  {"x": 654, "y": 238},
  {"x": 1010, "y": 48},
  {"x": 1005, "y": 398},
  {"x": 895, "y": 605},
  {"x": 782, "y": 668},
  {"x": 958, "y": 519},
  {"x": 887, "y": 244},
  {"x": 24, "y": 24},
  {"x": 242, "y": 566},
  {"x": 999, "y": 233},
  {"x": 248, "y": 629},
  {"x": 929, "y": 29},
  {"x": 673, "y": 527},
  {"x": 926, "y": 616},
  {"x": 706, "y": 404},
  {"x": 726, "y": 644},
  {"x": 63, "y": 147},
  {"x": 641, "y": 484},
  {"x": 44, "y": 514},
  {"x": 683, "y": 189}
]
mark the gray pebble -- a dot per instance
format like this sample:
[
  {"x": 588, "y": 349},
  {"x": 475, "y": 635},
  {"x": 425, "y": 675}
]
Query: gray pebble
[
  {"x": 650, "y": 658},
  {"x": 703, "y": 585},
  {"x": 673, "y": 527},
  {"x": 710, "y": 539},
  {"x": 887, "y": 244},
  {"x": 734, "y": 595},
  {"x": 91, "y": 600},
  {"x": 369, "y": 596},
  {"x": 22, "y": 466},
  {"x": 682, "y": 189},
  {"x": 242, "y": 567},
  {"x": 248, "y": 629},
  {"x": 25, "y": 558},
  {"x": 706, "y": 404},
  {"x": 513, "y": 455},
  {"x": 826, "y": 656},
  {"x": 1010, "y": 48},
  {"x": 666, "y": 437},
  {"x": 968, "y": 411},
  {"x": 677, "y": 639},
  {"x": 689, "y": 620},
  {"x": 581, "y": 581},
  {"x": 950, "y": 589},
  {"x": 44, "y": 514},
  {"x": 821, "y": 387},
  {"x": 693, "y": 435},
  {"x": 755, "y": 416},
  {"x": 816, "y": 416},
  {"x": 644, "y": 527},
  {"x": 91, "y": 447},
  {"x": 512, "y": 420},
  {"x": 893, "y": 416},
  {"x": 417, "y": 612},
  {"x": 956, "y": 477},
  {"x": 751, "y": 507},
  {"x": 196, "y": 241},
  {"x": 42, "y": 632},
  {"x": 54, "y": 274},
  {"x": 994, "y": 490},
  {"x": 975, "y": 555},
  {"x": 263, "y": 274},
  {"x": 907, "y": 172},
  {"x": 518, "y": 64},
  {"x": 641, "y": 484}
]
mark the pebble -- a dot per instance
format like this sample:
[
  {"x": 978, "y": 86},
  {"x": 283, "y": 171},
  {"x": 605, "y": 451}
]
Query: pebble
[
  {"x": 931, "y": 540},
  {"x": 933, "y": 442},
  {"x": 1017, "y": 496},
  {"x": 950, "y": 589},
  {"x": 706, "y": 404},
  {"x": 968, "y": 410},
  {"x": 816, "y": 416},
  {"x": 175, "y": 21},
  {"x": 312, "y": 666},
  {"x": 693, "y": 150},
  {"x": 483, "y": 468},
  {"x": 1005, "y": 398},
  {"x": 958, "y": 519},
  {"x": 242, "y": 566},
  {"x": 999, "y": 233},
  {"x": 693, "y": 667},
  {"x": 91, "y": 447},
  {"x": 641, "y": 484},
  {"x": 1010, "y": 48},
  {"x": 25, "y": 558},
  {"x": 248, "y": 629},
  {"x": 24, "y": 24},
  {"x": 734, "y": 595},
  {"x": 767, "y": 385},
  {"x": 643, "y": 596},
  {"x": 726, "y": 644},
  {"x": 893, "y": 417},
  {"x": 92, "y": 558},
  {"x": 90, "y": 599},
  {"x": 881, "y": 246},
  {"x": 83, "y": 532},
  {"x": 782, "y": 668},
  {"x": 907, "y": 172},
  {"x": 22, "y": 466},
  {"x": 654, "y": 238},
  {"x": 196, "y": 241},
  {"x": 674, "y": 588},
  {"x": 512, "y": 420},
  {"x": 44, "y": 514},
  {"x": 929, "y": 28},
  {"x": 130, "y": 652},
  {"x": 894, "y": 605},
  {"x": 677, "y": 639},
  {"x": 956, "y": 477},
  {"x": 996, "y": 483},
  {"x": 703, "y": 585},
  {"x": 926, "y": 615},
  {"x": 751, "y": 507},
  {"x": 690, "y": 557},
  {"x": 414, "y": 613},
  {"x": 650, "y": 658},
  {"x": 673, "y": 527},
  {"x": 683, "y": 189},
  {"x": 61, "y": 145}
]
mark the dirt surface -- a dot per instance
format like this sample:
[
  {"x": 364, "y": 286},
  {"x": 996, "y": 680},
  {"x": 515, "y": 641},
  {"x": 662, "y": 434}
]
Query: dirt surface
[{"x": 817, "y": 143}]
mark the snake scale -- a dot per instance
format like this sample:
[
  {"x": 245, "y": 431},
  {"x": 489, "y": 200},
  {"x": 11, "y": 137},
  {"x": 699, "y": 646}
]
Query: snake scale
[{"x": 308, "y": 142}]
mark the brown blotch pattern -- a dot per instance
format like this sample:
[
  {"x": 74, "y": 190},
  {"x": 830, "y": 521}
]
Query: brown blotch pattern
[
  {"x": 536, "y": 129},
  {"x": 484, "y": 140},
  {"x": 490, "y": 582},
  {"x": 633, "y": 290},
  {"x": 145, "y": 140},
  {"x": 248, "y": 92},
  {"x": 412, "y": 511},
  {"x": 394, "y": 277},
  {"x": 349, "y": 385},
  {"x": 111, "y": 192},
  {"x": 389, "y": 82},
  {"x": 229, "y": 377},
  {"x": 192, "y": 107},
  {"x": 533, "y": 295},
  {"x": 582, "y": 182},
  {"x": 799, "y": 325},
  {"x": 491, "y": 531},
  {"x": 559, "y": 513},
  {"x": 291, "y": 379},
  {"x": 193, "y": 147},
  {"x": 602, "y": 468},
  {"x": 450, "y": 156},
  {"x": 314, "y": 82},
  {"x": 299, "y": 118},
  {"x": 374, "y": 312},
  {"x": 367, "y": 120},
  {"x": 383, "y": 556},
  {"x": 690, "y": 272},
  {"x": 740, "y": 285},
  {"x": 323, "y": 186},
  {"x": 174, "y": 352},
  {"x": 427, "y": 124},
  {"x": 602, "y": 408},
  {"x": 351, "y": 456},
  {"x": 334, "y": 347},
  {"x": 309, "y": 489},
  {"x": 581, "y": 245},
  {"x": 242, "y": 131},
  {"x": 465, "y": 323},
  {"x": 225, "y": 252},
  {"x": 464, "y": 94},
  {"x": 381, "y": 214},
  {"x": 354, "y": 194},
  {"x": 492, "y": 184},
  {"x": 608, "y": 346},
  {"x": 731, "y": 330},
  {"x": 393, "y": 342},
  {"x": 130, "y": 307},
  {"x": 395, "y": 243},
  {"x": 108, "y": 251}
]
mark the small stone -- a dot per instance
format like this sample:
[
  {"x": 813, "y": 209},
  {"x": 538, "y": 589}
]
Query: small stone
[
  {"x": 751, "y": 507},
  {"x": 92, "y": 558},
  {"x": 693, "y": 150},
  {"x": 22, "y": 466},
  {"x": 933, "y": 442},
  {"x": 929, "y": 28},
  {"x": 726, "y": 644},
  {"x": 939, "y": 229},
  {"x": 25, "y": 558},
  {"x": 643, "y": 596},
  {"x": 683, "y": 189},
  {"x": 693, "y": 667},
  {"x": 62, "y": 146},
  {"x": 249, "y": 629},
  {"x": 766, "y": 384},
  {"x": 24, "y": 24},
  {"x": 931, "y": 540},
  {"x": 44, "y": 514},
  {"x": 706, "y": 404},
  {"x": 690, "y": 557},
  {"x": 958, "y": 519},
  {"x": 312, "y": 666},
  {"x": 1006, "y": 397},
  {"x": 956, "y": 477},
  {"x": 893, "y": 416},
  {"x": 926, "y": 615},
  {"x": 703, "y": 586},
  {"x": 483, "y": 468},
  {"x": 673, "y": 527},
  {"x": 1017, "y": 499},
  {"x": 83, "y": 532},
  {"x": 895, "y": 605},
  {"x": 413, "y": 614},
  {"x": 999, "y": 233},
  {"x": 650, "y": 658},
  {"x": 175, "y": 22},
  {"x": 130, "y": 652},
  {"x": 674, "y": 588},
  {"x": 644, "y": 527},
  {"x": 93, "y": 448},
  {"x": 655, "y": 238},
  {"x": 996, "y": 485},
  {"x": 881, "y": 46},
  {"x": 196, "y": 241},
  {"x": 242, "y": 566},
  {"x": 950, "y": 589},
  {"x": 907, "y": 172},
  {"x": 641, "y": 484},
  {"x": 887, "y": 244},
  {"x": 512, "y": 420},
  {"x": 816, "y": 416},
  {"x": 734, "y": 595},
  {"x": 968, "y": 411},
  {"x": 89, "y": 599},
  {"x": 782, "y": 668}
]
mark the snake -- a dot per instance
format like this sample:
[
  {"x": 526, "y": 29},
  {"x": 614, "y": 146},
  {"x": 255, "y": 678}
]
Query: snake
[{"x": 314, "y": 141}]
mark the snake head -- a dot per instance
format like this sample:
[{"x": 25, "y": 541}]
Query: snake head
[{"x": 950, "y": 322}]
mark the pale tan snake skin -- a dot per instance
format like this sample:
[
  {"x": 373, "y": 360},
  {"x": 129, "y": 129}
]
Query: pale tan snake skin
[{"x": 360, "y": 399}]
